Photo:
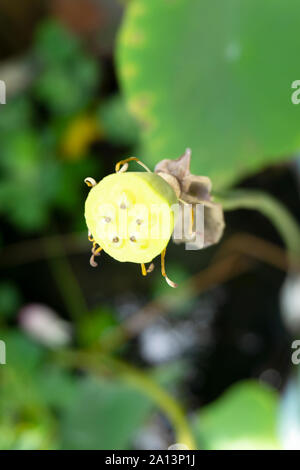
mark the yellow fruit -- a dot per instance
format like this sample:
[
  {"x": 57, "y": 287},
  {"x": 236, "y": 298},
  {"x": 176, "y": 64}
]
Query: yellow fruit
[{"x": 129, "y": 215}]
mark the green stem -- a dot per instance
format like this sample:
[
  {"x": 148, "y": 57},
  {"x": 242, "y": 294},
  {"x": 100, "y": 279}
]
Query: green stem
[
  {"x": 64, "y": 278},
  {"x": 271, "y": 208},
  {"x": 140, "y": 381},
  {"x": 163, "y": 400}
]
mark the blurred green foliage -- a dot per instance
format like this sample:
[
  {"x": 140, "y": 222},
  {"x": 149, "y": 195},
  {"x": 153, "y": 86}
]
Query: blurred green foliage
[
  {"x": 96, "y": 326},
  {"x": 10, "y": 299},
  {"x": 213, "y": 76},
  {"x": 69, "y": 77},
  {"x": 35, "y": 176},
  {"x": 103, "y": 415},
  {"x": 245, "y": 417},
  {"x": 43, "y": 406}
]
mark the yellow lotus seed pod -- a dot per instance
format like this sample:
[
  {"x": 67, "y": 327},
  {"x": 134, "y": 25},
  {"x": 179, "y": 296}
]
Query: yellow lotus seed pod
[{"x": 129, "y": 215}]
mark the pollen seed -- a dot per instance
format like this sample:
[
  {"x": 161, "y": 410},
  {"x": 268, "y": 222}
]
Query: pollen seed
[
  {"x": 132, "y": 238},
  {"x": 115, "y": 239},
  {"x": 107, "y": 219},
  {"x": 139, "y": 221}
]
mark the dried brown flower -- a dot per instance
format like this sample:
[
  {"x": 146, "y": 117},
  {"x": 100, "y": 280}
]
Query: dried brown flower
[{"x": 194, "y": 189}]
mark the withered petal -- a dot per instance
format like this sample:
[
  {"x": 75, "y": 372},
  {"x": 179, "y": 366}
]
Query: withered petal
[
  {"x": 194, "y": 190},
  {"x": 180, "y": 168},
  {"x": 214, "y": 225},
  {"x": 198, "y": 187}
]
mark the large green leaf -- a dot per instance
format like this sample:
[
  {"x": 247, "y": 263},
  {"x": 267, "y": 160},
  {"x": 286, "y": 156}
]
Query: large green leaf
[
  {"x": 243, "y": 418},
  {"x": 214, "y": 76},
  {"x": 104, "y": 415}
]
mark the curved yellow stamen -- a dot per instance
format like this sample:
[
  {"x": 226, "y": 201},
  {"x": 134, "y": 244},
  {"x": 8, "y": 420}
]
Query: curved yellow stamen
[
  {"x": 144, "y": 271},
  {"x": 95, "y": 252},
  {"x": 163, "y": 270},
  {"x": 191, "y": 220},
  {"x": 90, "y": 182},
  {"x": 122, "y": 165}
]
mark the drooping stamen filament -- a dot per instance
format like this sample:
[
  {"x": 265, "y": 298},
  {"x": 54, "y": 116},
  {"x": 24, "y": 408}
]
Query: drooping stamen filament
[{"x": 163, "y": 270}]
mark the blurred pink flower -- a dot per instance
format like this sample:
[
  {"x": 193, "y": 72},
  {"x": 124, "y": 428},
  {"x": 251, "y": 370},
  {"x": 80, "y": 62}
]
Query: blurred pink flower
[{"x": 43, "y": 324}]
